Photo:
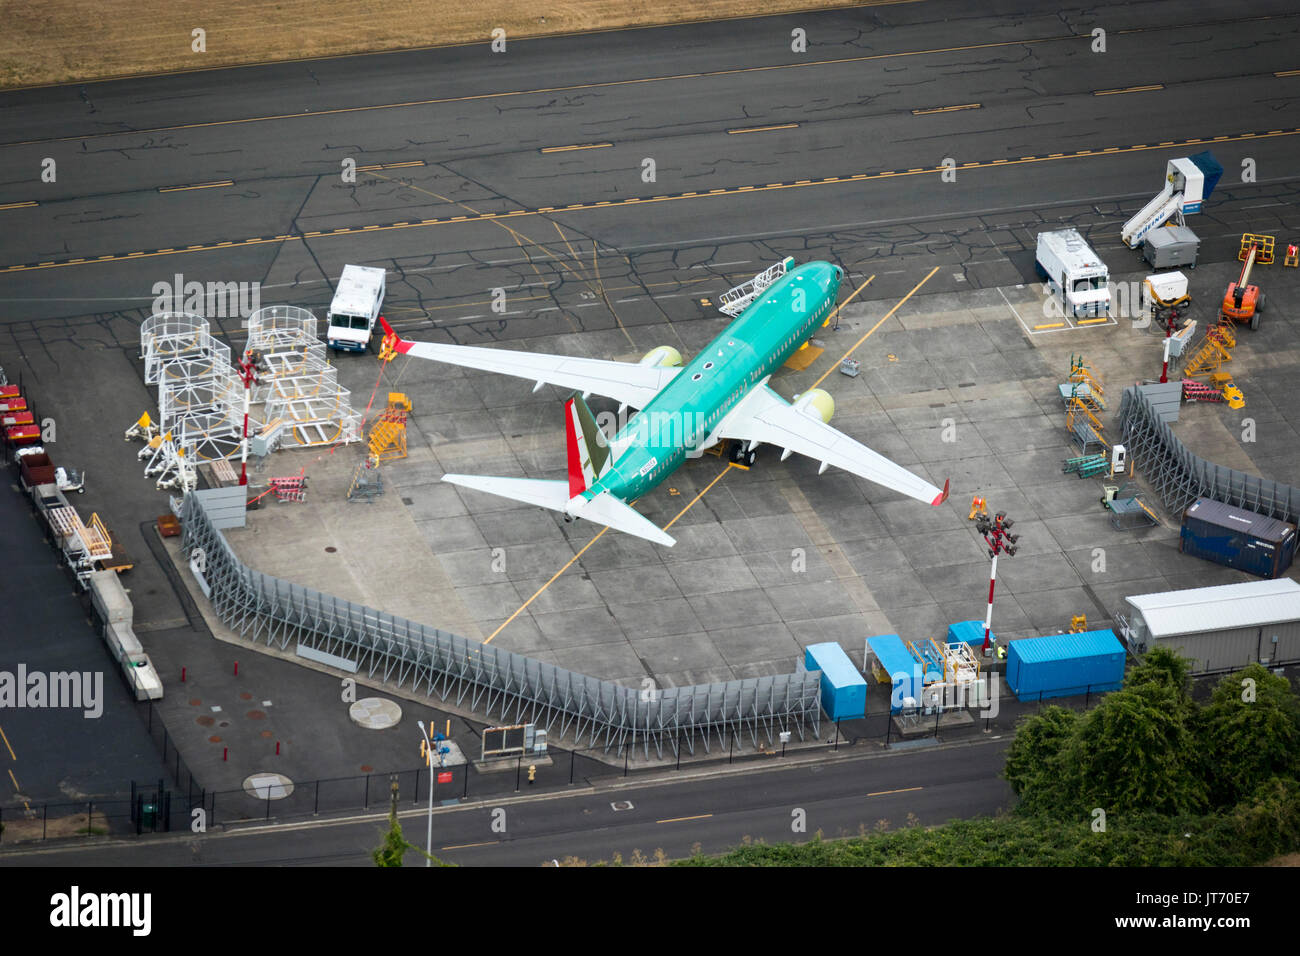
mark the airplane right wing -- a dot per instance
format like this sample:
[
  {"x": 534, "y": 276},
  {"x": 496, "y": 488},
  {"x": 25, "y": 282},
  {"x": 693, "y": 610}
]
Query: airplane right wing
[
  {"x": 624, "y": 382},
  {"x": 764, "y": 416}
]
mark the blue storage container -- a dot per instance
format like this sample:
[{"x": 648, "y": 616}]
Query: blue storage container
[
  {"x": 1065, "y": 665},
  {"x": 899, "y": 666},
  {"x": 969, "y": 632},
  {"x": 1237, "y": 538},
  {"x": 844, "y": 690}
]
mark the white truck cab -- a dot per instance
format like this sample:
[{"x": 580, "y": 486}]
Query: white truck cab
[
  {"x": 355, "y": 308},
  {"x": 1075, "y": 274}
]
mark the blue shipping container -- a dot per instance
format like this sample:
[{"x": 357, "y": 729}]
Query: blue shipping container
[
  {"x": 903, "y": 669},
  {"x": 844, "y": 690},
  {"x": 969, "y": 632},
  {"x": 1065, "y": 665},
  {"x": 1226, "y": 534}
]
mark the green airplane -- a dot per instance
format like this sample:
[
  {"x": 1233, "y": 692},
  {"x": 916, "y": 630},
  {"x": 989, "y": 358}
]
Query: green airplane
[{"x": 722, "y": 394}]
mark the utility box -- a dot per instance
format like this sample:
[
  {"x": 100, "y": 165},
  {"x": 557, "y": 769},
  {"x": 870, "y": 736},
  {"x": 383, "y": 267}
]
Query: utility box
[
  {"x": 1237, "y": 538},
  {"x": 892, "y": 663},
  {"x": 1065, "y": 665},
  {"x": 1163, "y": 287},
  {"x": 1118, "y": 460},
  {"x": 1075, "y": 274},
  {"x": 355, "y": 308},
  {"x": 1171, "y": 247},
  {"x": 844, "y": 690}
]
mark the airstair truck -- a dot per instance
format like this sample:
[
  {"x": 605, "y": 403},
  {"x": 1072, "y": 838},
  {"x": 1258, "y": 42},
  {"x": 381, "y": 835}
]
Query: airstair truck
[
  {"x": 1188, "y": 183},
  {"x": 356, "y": 305},
  {"x": 1074, "y": 273}
]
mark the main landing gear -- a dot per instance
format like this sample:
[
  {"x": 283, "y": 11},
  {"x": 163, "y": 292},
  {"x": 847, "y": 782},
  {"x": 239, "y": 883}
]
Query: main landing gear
[{"x": 742, "y": 457}]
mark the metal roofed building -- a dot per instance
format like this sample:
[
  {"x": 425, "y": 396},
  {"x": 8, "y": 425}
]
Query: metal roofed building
[{"x": 1219, "y": 628}]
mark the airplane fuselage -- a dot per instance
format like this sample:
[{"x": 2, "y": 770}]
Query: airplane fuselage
[{"x": 684, "y": 415}]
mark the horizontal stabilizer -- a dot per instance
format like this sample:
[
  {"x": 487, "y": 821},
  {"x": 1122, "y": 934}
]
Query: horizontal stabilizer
[
  {"x": 617, "y": 514},
  {"x": 604, "y": 509}
]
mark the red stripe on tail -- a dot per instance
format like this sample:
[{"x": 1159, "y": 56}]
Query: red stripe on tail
[
  {"x": 577, "y": 481},
  {"x": 399, "y": 344}
]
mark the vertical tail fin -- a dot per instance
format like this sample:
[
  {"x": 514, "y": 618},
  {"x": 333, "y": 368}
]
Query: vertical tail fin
[{"x": 588, "y": 451}]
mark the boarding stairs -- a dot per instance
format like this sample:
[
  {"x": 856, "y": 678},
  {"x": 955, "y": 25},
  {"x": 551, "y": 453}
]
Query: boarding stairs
[
  {"x": 1215, "y": 351},
  {"x": 1083, "y": 426},
  {"x": 1166, "y": 205},
  {"x": 734, "y": 301}
]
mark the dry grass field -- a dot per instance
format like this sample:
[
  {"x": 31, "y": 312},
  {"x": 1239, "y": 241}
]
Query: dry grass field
[{"x": 62, "y": 41}]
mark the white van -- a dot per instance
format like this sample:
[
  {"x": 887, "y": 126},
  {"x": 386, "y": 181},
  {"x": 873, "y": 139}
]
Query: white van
[
  {"x": 1076, "y": 276},
  {"x": 356, "y": 305}
]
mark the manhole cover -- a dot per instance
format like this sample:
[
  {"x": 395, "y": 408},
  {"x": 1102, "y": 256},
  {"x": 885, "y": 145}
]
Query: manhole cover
[
  {"x": 331, "y": 550},
  {"x": 268, "y": 786},
  {"x": 375, "y": 713},
  {"x": 224, "y": 723},
  {"x": 622, "y": 804}
]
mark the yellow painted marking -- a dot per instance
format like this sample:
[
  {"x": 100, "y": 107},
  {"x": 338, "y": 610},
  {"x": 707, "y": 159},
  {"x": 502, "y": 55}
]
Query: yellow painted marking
[
  {"x": 569, "y": 149},
  {"x": 761, "y": 129},
  {"x": 466, "y": 846},
  {"x": 566, "y": 567},
  {"x": 212, "y": 185},
  {"x": 881, "y": 793},
  {"x": 1129, "y": 89},
  {"x": 947, "y": 109},
  {"x": 15, "y": 780},
  {"x": 882, "y": 321},
  {"x": 8, "y": 746},
  {"x": 722, "y": 474},
  {"x": 1091, "y": 321},
  {"x": 373, "y": 167},
  {"x": 1053, "y": 325},
  {"x": 701, "y": 816},
  {"x": 1288, "y": 73},
  {"x": 20, "y": 205}
]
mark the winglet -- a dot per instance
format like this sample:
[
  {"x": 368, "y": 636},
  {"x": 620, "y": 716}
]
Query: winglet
[
  {"x": 393, "y": 340},
  {"x": 943, "y": 496}
]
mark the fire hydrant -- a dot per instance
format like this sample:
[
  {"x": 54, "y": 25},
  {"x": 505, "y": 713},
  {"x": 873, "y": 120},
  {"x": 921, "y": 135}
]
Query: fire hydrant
[{"x": 532, "y": 772}]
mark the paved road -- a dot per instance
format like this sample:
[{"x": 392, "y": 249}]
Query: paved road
[{"x": 715, "y": 812}]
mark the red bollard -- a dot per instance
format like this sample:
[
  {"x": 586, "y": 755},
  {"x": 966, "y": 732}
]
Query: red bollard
[
  {"x": 225, "y": 751},
  {"x": 236, "y": 668},
  {"x": 277, "y": 748},
  {"x": 182, "y": 675}
]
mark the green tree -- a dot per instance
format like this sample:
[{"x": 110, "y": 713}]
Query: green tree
[
  {"x": 1135, "y": 752},
  {"x": 395, "y": 845},
  {"x": 1035, "y": 764},
  {"x": 1251, "y": 733}
]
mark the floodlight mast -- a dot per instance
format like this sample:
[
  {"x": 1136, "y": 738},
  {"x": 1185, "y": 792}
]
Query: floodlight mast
[
  {"x": 249, "y": 366},
  {"x": 997, "y": 535}
]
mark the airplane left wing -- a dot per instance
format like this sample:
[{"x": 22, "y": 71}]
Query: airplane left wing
[
  {"x": 624, "y": 382},
  {"x": 764, "y": 416}
]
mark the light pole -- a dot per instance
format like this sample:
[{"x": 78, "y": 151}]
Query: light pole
[
  {"x": 997, "y": 534},
  {"x": 427, "y": 750},
  {"x": 249, "y": 365}
]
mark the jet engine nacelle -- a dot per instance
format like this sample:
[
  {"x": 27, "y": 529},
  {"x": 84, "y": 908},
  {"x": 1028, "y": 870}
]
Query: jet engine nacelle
[
  {"x": 816, "y": 403},
  {"x": 663, "y": 356}
]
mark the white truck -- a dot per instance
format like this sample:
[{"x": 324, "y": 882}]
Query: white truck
[
  {"x": 355, "y": 308},
  {"x": 1074, "y": 273}
]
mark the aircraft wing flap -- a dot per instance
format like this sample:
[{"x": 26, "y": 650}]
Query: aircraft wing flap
[
  {"x": 624, "y": 382},
  {"x": 764, "y": 416}
]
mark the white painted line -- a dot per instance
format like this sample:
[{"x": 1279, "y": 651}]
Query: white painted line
[{"x": 706, "y": 265}]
